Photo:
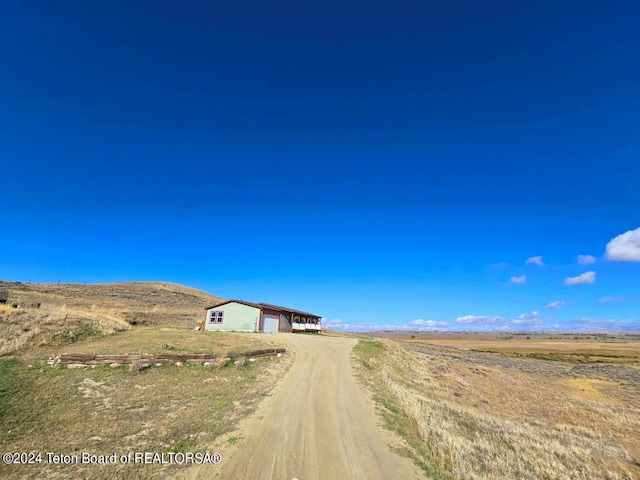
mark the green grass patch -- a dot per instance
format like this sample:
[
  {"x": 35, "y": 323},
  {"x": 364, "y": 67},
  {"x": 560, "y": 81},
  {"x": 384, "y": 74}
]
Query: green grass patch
[
  {"x": 371, "y": 348},
  {"x": 367, "y": 351},
  {"x": 187, "y": 444},
  {"x": 8, "y": 384},
  {"x": 76, "y": 333}
]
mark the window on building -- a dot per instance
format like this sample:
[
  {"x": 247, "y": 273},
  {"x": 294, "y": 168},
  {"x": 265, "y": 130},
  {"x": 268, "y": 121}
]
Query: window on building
[
  {"x": 219, "y": 319},
  {"x": 216, "y": 317}
]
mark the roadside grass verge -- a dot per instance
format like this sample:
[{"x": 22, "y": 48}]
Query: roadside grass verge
[
  {"x": 105, "y": 410},
  {"x": 468, "y": 415},
  {"x": 370, "y": 355}
]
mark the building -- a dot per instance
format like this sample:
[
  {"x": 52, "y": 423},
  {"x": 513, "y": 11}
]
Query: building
[{"x": 241, "y": 316}]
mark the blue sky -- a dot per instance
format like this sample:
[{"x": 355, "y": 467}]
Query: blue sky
[{"x": 385, "y": 166}]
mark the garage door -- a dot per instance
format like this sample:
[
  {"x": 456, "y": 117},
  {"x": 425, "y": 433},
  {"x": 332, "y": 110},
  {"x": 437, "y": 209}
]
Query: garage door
[{"x": 269, "y": 323}]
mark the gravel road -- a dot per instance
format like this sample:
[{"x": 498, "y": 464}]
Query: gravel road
[{"x": 317, "y": 424}]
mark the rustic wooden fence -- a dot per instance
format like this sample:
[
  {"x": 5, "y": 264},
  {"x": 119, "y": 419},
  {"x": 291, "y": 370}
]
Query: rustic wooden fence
[{"x": 68, "y": 358}]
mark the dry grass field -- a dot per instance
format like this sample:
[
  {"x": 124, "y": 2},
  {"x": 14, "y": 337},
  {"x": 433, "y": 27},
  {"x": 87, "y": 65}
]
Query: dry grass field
[
  {"x": 104, "y": 410},
  {"x": 475, "y": 415},
  {"x": 568, "y": 347}
]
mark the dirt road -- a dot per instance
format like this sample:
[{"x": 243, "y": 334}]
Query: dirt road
[{"x": 318, "y": 424}]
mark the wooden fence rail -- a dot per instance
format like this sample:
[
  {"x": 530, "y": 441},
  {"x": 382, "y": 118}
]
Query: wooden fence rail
[{"x": 67, "y": 358}]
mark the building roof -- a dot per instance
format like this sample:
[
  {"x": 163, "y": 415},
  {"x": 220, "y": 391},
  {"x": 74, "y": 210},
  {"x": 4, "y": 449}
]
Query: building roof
[
  {"x": 268, "y": 306},
  {"x": 289, "y": 310},
  {"x": 250, "y": 304}
]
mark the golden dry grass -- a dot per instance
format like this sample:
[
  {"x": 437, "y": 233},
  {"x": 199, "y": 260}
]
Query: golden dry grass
[
  {"x": 469, "y": 415},
  {"x": 620, "y": 349},
  {"x": 70, "y": 312},
  {"x": 567, "y": 347},
  {"x": 24, "y": 329}
]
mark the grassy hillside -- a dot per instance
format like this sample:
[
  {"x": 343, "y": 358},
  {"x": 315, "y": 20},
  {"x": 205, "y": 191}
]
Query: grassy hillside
[
  {"x": 71, "y": 312},
  {"x": 171, "y": 407}
]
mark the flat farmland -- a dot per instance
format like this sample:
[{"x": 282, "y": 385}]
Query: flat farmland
[
  {"x": 479, "y": 405},
  {"x": 573, "y": 348}
]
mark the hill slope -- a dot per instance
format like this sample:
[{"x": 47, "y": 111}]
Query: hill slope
[{"x": 71, "y": 311}]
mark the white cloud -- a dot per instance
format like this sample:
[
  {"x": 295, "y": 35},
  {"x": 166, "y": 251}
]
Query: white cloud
[
  {"x": 625, "y": 247},
  {"x": 519, "y": 324},
  {"x": 537, "y": 260},
  {"x": 586, "y": 259},
  {"x": 614, "y": 299},
  {"x": 496, "y": 323},
  {"x": 520, "y": 279},
  {"x": 556, "y": 304},
  {"x": 428, "y": 323},
  {"x": 479, "y": 319},
  {"x": 335, "y": 321},
  {"x": 414, "y": 325},
  {"x": 586, "y": 277},
  {"x": 335, "y": 324},
  {"x": 594, "y": 324},
  {"x": 524, "y": 323},
  {"x": 527, "y": 319}
]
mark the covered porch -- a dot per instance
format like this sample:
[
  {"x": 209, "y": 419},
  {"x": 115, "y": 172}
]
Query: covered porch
[
  {"x": 306, "y": 324},
  {"x": 295, "y": 321}
]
